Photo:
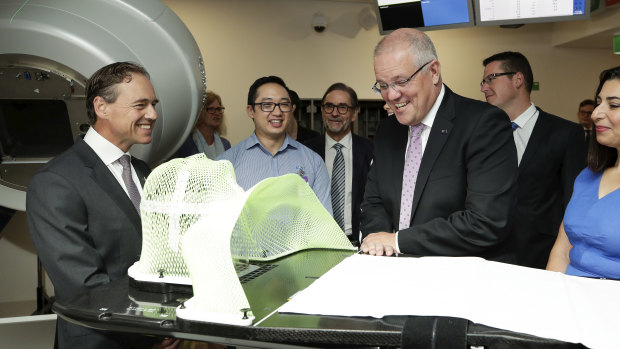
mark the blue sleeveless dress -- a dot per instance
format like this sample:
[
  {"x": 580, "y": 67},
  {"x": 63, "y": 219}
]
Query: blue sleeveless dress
[{"x": 593, "y": 228}]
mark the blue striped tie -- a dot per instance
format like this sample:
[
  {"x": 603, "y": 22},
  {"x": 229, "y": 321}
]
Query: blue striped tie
[
  {"x": 514, "y": 126},
  {"x": 338, "y": 186}
]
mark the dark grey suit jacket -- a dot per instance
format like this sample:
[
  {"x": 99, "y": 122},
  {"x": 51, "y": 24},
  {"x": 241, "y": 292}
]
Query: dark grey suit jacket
[
  {"x": 466, "y": 185},
  {"x": 554, "y": 156},
  {"x": 362, "y": 157},
  {"x": 86, "y": 232}
]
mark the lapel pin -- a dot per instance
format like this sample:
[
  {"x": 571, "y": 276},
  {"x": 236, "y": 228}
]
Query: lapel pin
[{"x": 444, "y": 131}]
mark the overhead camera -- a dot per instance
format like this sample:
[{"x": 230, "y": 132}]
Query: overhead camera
[{"x": 319, "y": 22}]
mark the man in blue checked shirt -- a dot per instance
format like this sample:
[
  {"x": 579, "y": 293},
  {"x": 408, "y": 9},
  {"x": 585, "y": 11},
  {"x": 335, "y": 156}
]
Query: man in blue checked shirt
[{"x": 269, "y": 151}]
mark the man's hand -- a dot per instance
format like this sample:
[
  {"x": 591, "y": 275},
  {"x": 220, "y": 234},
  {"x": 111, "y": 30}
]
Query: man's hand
[{"x": 378, "y": 244}]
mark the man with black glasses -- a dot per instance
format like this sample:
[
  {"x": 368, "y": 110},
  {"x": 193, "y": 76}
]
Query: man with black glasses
[
  {"x": 551, "y": 153},
  {"x": 269, "y": 151},
  {"x": 347, "y": 156}
]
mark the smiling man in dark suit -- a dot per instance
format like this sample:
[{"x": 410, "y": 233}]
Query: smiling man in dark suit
[
  {"x": 551, "y": 153},
  {"x": 339, "y": 109},
  {"x": 443, "y": 180},
  {"x": 83, "y": 206}
]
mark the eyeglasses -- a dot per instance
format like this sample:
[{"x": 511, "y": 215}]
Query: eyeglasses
[
  {"x": 342, "y": 108},
  {"x": 214, "y": 110},
  {"x": 270, "y": 106},
  {"x": 494, "y": 76},
  {"x": 380, "y": 87},
  {"x": 585, "y": 112}
]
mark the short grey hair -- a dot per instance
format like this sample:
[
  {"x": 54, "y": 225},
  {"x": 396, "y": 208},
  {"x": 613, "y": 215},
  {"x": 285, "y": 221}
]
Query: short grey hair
[{"x": 422, "y": 48}]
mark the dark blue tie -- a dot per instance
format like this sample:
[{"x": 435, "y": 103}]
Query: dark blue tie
[{"x": 514, "y": 126}]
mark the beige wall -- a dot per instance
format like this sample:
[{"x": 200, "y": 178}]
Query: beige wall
[{"x": 242, "y": 40}]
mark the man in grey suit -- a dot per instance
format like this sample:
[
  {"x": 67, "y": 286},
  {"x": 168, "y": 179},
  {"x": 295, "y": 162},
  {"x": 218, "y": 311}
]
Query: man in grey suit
[
  {"x": 443, "y": 179},
  {"x": 551, "y": 153},
  {"x": 83, "y": 206}
]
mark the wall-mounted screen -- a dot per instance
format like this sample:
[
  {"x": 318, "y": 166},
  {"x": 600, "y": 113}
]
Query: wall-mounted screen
[
  {"x": 506, "y": 12},
  {"x": 423, "y": 14}
]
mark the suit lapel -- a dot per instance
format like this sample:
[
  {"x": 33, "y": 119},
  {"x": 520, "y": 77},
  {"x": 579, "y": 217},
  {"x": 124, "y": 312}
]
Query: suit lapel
[
  {"x": 140, "y": 171},
  {"x": 441, "y": 129},
  {"x": 102, "y": 176},
  {"x": 536, "y": 139},
  {"x": 399, "y": 146},
  {"x": 358, "y": 163},
  {"x": 322, "y": 147}
]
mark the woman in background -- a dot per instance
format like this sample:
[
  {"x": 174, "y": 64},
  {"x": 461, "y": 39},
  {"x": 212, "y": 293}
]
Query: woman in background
[
  {"x": 206, "y": 135},
  {"x": 588, "y": 243}
]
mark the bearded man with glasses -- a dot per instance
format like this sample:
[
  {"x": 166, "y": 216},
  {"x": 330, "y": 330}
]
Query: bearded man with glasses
[
  {"x": 269, "y": 151},
  {"x": 443, "y": 178},
  {"x": 551, "y": 152},
  {"x": 347, "y": 156}
]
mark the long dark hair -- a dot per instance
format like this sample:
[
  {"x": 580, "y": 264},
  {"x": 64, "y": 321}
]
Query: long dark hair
[{"x": 601, "y": 156}]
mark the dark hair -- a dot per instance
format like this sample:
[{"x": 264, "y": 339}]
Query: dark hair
[
  {"x": 586, "y": 102},
  {"x": 601, "y": 156},
  {"x": 342, "y": 87},
  {"x": 294, "y": 98},
  {"x": 514, "y": 62},
  {"x": 103, "y": 84},
  {"x": 262, "y": 81}
]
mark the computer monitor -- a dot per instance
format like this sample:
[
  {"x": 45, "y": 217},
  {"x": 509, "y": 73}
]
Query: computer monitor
[
  {"x": 512, "y": 12},
  {"x": 423, "y": 14}
]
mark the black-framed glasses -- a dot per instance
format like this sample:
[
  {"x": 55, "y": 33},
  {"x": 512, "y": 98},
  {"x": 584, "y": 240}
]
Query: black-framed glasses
[
  {"x": 494, "y": 76},
  {"x": 271, "y": 106},
  {"x": 342, "y": 108},
  {"x": 214, "y": 110},
  {"x": 585, "y": 112},
  {"x": 380, "y": 87}
]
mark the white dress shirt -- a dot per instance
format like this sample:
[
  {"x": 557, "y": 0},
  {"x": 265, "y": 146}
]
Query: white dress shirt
[
  {"x": 526, "y": 122},
  {"x": 109, "y": 154},
  {"x": 347, "y": 153}
]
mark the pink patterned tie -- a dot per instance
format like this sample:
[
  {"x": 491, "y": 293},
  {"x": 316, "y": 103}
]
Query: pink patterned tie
[{"x": 410, "y": 175}]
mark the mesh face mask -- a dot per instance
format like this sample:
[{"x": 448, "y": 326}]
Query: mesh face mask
[
  {"x": 175, "y": 196},
  {"x": 196, "y": 219}
]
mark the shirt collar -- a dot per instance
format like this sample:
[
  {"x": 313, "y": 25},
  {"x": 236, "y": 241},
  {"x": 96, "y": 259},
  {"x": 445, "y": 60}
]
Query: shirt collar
[
  {"x": 253, "y": 141},
  {"x": 346, "y": 141},
  {"x": 107, "y": 151},
  {"x": 429, "y": 119},
  {"x": 522, "y": 119}
]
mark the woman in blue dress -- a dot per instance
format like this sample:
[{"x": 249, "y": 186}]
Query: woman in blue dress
[
  {"x": 588, "y": 242},
  {"x": 206, "y": 137}
]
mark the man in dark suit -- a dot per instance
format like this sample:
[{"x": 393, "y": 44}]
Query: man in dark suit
[
  {"x": 444, "y": 172},
  {"x": 584, "y": 115},
  {"x": 296, "y": 131},
  {"x": 83, "y": 206},
  {"x": 339, "y": 109},
  {"x": 551, "y": 153}
]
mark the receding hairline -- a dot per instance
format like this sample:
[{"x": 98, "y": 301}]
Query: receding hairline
[{"x": 401, "y": 38}]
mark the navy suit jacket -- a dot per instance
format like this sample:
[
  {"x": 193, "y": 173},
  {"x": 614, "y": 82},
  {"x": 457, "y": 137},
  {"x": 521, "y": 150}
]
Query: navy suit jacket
[
  {"x": 86, "y": 232},
  {"x": 554, "y": 156},
  {"x": 362, "y": 158},
  {"x": 466, "y": 185}
]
